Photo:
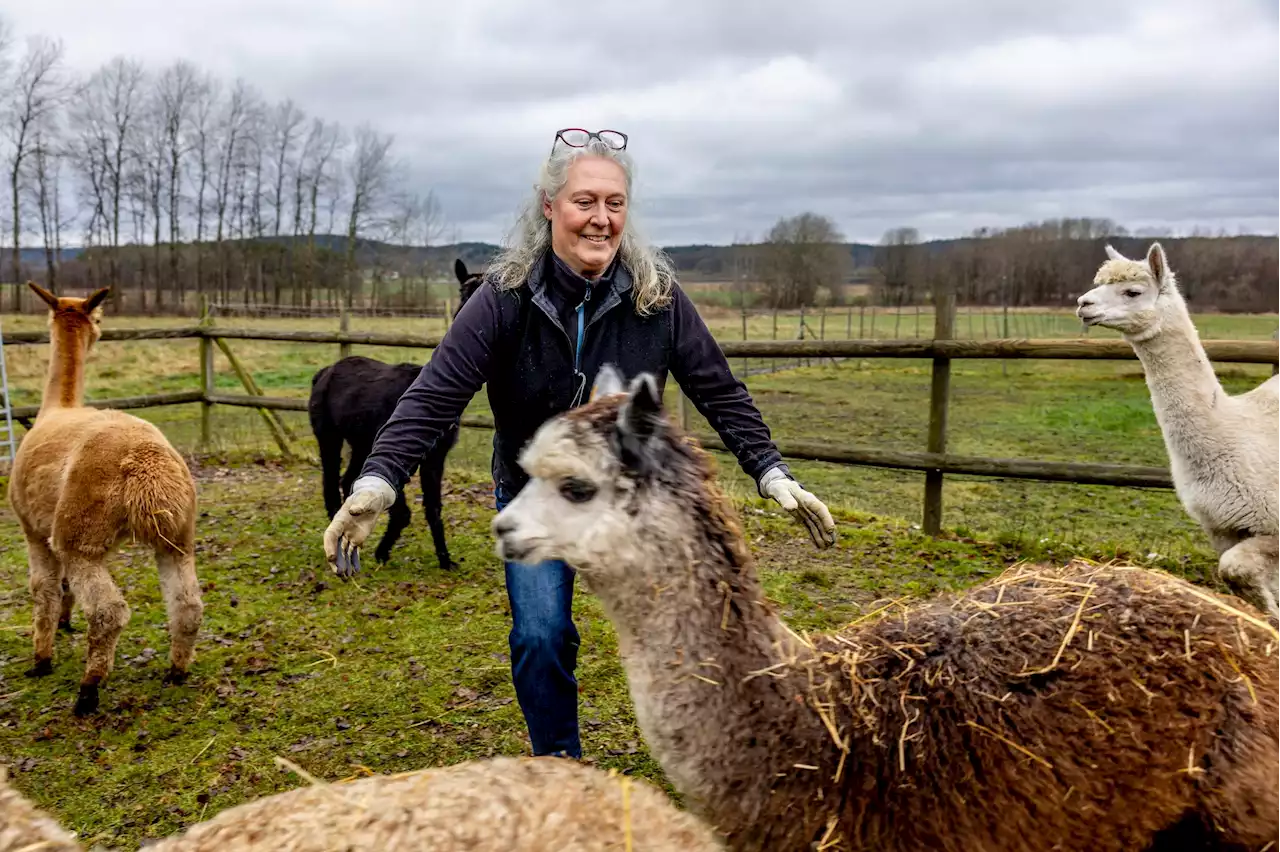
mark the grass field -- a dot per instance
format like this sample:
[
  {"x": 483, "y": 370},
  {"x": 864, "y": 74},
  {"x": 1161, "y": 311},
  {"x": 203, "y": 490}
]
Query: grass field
[{"x": 408, "y": 667}]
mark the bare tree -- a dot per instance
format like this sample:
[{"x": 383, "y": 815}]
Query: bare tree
[
  {"x": 46, "y": 187},
  {"x": 176, "y": 92},
  {"x": 36, "y": 91},
  {"x": 6, "y": 42},
  {"x": 231, "y": 126},
  {"x": 898, "y": 258},
  {"x": 104, "y": 114},
  {"x": 319, "y": 162},
  {"x": 799, "y": 255},
  {"x": 369, "y": 172},
  {"x": 285, "y": 130},
  {"x": 199, "y": 135}
]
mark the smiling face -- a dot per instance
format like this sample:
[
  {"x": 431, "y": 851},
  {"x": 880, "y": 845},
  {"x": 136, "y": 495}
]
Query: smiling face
[
  {"x": 1126, "y": 293},
  {"x": 588, "y": 215}
]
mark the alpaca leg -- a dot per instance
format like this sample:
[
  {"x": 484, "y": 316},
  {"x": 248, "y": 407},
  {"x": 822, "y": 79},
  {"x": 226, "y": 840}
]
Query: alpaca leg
[
  {"x": 68, "y": 601},
  {"x": 431, "y": 475},
  {"x": 45, "y": 582},
  {"x": 331, "y": 469},
  {"x": 358, "y": 455},
  {"x": 106, "y": 613},
  {"x": 181, "y": 591},
  {"x": 1252, "y": 569},
  {"x": 398, "y": 517}
]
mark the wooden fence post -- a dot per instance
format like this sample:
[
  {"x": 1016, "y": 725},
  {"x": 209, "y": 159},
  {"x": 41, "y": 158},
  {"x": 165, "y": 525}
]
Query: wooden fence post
[
  {"x": 206, "y": 377},
  {"x": 344, "y": 325},
  {"x": 944, "y": 301}
]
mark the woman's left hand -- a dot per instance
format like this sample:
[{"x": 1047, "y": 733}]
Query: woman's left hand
[{"x": 805, "y": 507}]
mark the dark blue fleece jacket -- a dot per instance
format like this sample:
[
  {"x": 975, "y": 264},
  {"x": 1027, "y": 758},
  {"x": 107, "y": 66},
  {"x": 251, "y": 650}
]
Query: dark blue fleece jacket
[{"x": 518, "y": 344}]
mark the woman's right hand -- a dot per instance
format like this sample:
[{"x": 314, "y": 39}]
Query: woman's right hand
[{"x": 370, "y": 495}]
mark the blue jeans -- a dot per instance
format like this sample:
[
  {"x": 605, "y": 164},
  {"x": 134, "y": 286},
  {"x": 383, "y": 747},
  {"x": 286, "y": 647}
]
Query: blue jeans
[{"x": 544, "y": 652}]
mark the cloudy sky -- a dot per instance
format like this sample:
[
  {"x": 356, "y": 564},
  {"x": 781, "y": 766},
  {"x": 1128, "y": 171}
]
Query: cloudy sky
[{"x": 936, "y": 114}]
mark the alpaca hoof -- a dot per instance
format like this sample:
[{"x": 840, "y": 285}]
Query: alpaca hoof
[
  {"x": 87, "y": 702},
  {"x": 175, "y": 676},
  {"x": 382, "y": 557},
  {"x": 65, "y": 627},
  {"x": 41, "y": 668}
]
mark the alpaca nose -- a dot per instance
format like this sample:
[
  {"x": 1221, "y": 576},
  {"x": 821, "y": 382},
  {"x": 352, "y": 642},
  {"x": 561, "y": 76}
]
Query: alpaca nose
[
  {"x": 503, "y": 526},
  {"x": 1084, "y": 301}
]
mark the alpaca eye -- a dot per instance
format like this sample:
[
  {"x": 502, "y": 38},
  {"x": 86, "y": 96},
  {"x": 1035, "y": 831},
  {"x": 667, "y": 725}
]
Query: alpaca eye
[
  {"x": 577, "y": 490},
  {"x": 1132, "y": 293}
]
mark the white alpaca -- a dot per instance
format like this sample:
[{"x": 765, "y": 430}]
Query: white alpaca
[{"x": 1222, "y": 449}]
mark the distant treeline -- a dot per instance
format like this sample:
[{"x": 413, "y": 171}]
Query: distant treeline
[{"x": 1019, "y": 267}]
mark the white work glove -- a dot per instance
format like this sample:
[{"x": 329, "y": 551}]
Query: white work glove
[
  {"x": 370, "y": 495},
  {"x": 805, "y": 507}
]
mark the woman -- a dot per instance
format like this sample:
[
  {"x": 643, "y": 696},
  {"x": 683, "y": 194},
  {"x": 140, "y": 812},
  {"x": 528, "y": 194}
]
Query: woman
[{"x": 577, "y": 289}]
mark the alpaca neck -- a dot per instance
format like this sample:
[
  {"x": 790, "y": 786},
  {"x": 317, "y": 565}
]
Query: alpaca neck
[
  {"x": 701, "y": 656},
  {"x": 64, "y": 385},
  {"x": 1185, "y": 392}
]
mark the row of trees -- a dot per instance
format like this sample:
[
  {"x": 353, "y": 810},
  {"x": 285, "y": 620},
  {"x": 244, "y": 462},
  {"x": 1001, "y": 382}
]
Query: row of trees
[
  {"x": 1044, "y": 263},
  {"x": 177, "y": 182}
]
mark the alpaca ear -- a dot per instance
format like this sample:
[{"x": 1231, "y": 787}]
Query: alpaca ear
[
  {"x": 608, "y": 382},
  {"x": 95, "y": 299},
  {"x": 1113, "y": 254},
  {"x": 639, "y": 424},
  {"x": 1158, "y": 262},
  {"x": 460, "y": 270},
  {"x": 49, "y": 299}
]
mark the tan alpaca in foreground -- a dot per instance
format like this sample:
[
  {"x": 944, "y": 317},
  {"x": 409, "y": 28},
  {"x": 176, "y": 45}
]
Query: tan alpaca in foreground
[
  {"x": 83, "y": 481},
  {"x": 502, "y": 804}
]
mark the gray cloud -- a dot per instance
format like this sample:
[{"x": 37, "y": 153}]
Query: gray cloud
[{"x": 941, "y": 115}]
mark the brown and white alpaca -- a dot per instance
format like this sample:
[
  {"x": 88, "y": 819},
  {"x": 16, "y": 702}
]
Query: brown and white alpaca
[
  {"x": 84, "y": 480},
  {"x": 1082, "y": 707}
]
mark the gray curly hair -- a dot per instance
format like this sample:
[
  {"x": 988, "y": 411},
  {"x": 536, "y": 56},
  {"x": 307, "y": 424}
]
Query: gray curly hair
[{"x": 652, "y": 273}]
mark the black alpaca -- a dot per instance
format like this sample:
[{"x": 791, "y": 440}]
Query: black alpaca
[{"x": 350, "y": 401}]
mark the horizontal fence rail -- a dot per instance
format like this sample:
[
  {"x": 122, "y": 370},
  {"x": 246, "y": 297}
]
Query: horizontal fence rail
[
  {"x": 941, "y": 349},
  {"x": 125, "y": 402},
  {"x": 1226, "y": 351},
  {"x": 1082, "y": 473}
]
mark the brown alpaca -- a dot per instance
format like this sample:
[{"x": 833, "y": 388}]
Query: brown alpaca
[
  {"x": 1081, "y": 707},
  {"x": 83, "y": 481}
]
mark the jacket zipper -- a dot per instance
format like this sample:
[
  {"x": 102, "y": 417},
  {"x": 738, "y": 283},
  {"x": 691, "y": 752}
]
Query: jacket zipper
[{"x": 579, "y": 376}]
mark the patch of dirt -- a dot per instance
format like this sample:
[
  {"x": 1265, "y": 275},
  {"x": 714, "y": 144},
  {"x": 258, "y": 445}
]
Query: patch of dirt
[{"x": 211, "y": 469}]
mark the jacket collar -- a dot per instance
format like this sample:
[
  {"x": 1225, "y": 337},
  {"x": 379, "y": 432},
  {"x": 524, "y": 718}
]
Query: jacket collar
[{"x": 620, "y": 285}]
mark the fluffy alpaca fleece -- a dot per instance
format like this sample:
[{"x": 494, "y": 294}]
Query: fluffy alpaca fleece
[
  {"x": 1080, "y": 707},
  {"x": 1224, "y": 451},
  {"x": 83, "y": 481},
  {"x": 26, "y": 828},
  {"x": 534, "y": 804}
]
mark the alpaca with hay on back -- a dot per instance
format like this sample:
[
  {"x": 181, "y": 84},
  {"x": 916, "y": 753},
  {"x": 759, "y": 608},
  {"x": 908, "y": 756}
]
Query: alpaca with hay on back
[
  {"x": 1099, "y": 707},
  {"x": 1224, "y": 450},
  {"x": 83, "y": 481}
]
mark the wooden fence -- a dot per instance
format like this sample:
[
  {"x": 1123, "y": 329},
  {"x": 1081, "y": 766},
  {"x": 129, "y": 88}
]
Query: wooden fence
[{"x": 935, "y": 462}]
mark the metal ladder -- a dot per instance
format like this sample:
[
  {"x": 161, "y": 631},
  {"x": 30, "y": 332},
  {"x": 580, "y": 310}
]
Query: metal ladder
[{"x": 8, "y": 446}]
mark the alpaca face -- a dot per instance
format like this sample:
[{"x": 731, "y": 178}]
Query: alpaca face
[
  {"x": 595, "y": 485},
  {"x": 1126, "y": 294}
]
